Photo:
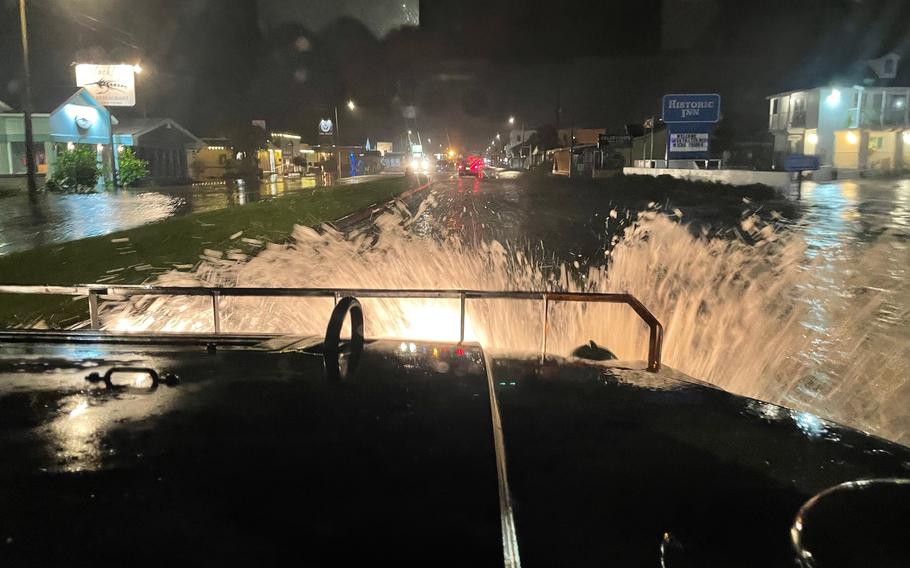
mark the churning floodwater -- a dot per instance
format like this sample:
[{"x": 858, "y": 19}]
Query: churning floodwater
[{"x": 811, "y": 315}]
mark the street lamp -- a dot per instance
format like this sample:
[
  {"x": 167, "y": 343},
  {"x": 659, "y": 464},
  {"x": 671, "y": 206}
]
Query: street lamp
[
  {"x": 521, "y": 141},
  {"x": 351, "y": 106}
]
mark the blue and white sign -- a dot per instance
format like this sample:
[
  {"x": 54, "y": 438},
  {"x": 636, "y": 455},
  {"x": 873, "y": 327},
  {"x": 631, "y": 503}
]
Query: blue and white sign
[{"x": 691, "y": 108}]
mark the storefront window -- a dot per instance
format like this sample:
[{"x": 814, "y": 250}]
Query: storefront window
[{"x": 19, "y": 164}]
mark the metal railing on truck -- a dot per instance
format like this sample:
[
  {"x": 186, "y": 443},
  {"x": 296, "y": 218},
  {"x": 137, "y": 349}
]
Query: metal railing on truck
[{"x": 94, "y": 291}]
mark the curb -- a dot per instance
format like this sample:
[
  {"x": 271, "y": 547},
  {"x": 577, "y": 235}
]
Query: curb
[{"x": 368, "y": 211}]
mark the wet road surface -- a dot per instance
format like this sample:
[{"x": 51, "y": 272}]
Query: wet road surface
[{"x": 55, "y": 218}]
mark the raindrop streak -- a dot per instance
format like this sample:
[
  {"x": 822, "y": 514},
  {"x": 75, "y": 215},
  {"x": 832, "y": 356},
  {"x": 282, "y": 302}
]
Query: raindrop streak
[{"x": 781, "y": 319}]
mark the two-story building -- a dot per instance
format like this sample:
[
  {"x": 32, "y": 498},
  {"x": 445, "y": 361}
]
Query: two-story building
[
  {"x": 518, "y": 148},
  {"x": 806, "y": 121}
]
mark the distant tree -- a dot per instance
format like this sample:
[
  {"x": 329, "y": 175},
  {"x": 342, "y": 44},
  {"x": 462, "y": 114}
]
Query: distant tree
[
  {"x": 76, "y": 170},
  {"x": 247, "y": 141},
  {"x": 545, "y": 138},
  {"x": 132, "y": 169}
]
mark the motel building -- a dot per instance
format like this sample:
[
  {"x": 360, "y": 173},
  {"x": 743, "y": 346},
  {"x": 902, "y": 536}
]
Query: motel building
[{"x": 853, "y": 129}]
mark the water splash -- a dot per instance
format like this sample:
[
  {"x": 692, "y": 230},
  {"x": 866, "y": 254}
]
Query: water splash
[{"x": 767, "y": 318}]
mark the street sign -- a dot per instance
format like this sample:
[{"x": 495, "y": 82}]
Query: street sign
[
  {"x": 689, "y": 142},
  {"x": 800, "y": 163},
  {"x": 691, "y": 108},
  {"x": 110, "y": 85},
  {"x": 326, "y": 127},
  {"x": 613, "y": 141}
]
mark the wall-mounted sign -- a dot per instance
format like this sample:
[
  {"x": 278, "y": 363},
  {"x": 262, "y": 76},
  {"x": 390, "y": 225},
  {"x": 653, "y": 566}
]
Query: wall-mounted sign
[
  {"x": 326, "y": 127},
  {"x": 110, "y": 85},
  {"x": 605, "y": 141},
  {"x": 691, "y": 108},
  {"x": 258, "y": 122},
  {"x": 83, "y": 122},
  {"x": 689, "y": 142}
]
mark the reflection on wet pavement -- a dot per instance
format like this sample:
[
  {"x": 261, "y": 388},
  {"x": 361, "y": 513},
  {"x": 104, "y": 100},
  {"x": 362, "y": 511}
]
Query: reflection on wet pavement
[{"x": 56, "y": 218}]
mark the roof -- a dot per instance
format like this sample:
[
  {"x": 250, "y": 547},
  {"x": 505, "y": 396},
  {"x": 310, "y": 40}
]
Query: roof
[
  {"x": 137, "y": 127},
  {"x": 83, "y": 97},
  {"x": 866, "y": 88},
  {"x": 5, "y": 107}
]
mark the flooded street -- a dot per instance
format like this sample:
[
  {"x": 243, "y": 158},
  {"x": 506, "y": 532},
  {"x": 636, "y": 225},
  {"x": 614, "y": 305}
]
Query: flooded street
[
  {"x": 807, "y": 312},
  {"x": 55, "y": 218}
]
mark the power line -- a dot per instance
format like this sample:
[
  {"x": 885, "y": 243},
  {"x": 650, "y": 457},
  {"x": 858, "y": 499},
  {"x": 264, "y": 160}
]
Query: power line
[{"x": 93, "y": 24}]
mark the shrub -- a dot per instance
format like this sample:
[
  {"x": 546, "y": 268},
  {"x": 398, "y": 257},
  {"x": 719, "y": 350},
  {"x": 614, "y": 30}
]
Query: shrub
[
  {"x": 132, "y": 168},
  {"x": 75, "y": 171}
]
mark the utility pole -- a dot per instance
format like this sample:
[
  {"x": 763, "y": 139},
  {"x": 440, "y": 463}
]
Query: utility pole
[
  {"x": 558, "y": 102},
  {"x": 521, "y": 145},
  {"x": 27, "y": 104},
  {"x": 571, "y": 149},
  {"x": 652, "y": 137}
]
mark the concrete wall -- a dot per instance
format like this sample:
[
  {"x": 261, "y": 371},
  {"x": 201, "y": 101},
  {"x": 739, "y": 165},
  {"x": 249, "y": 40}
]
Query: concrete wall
[{"x": 779, "y": 180}]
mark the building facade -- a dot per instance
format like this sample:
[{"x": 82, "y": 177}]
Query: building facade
[
  {"x": 833, "y": 122},
  {"x": 163, "y": 144},
  {"x": 80, "y": 119}
]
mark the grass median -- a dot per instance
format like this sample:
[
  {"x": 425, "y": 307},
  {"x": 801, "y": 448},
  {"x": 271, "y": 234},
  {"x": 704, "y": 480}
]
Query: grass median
[{"x": 137, "y": 255}]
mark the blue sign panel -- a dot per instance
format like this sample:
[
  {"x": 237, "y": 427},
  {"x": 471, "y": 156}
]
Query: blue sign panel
[
  {"x": 691, "y": 108},
  {"x": 800, "y": 163}
]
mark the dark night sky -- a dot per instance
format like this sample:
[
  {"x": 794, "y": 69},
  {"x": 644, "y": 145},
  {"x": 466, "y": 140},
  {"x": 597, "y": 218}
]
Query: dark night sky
[{"x": 212, "y": 64}]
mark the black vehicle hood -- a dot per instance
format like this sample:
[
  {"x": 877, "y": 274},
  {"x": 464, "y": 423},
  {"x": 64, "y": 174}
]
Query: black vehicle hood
[{"x": 256, "y": 457}]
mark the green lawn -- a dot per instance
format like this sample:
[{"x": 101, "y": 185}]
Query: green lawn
[{"x": 157, "y": 247}]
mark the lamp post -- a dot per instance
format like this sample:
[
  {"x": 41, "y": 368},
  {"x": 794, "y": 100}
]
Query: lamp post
[
  {"x": 351, "y": 106},
  {"x": 27, "y": 104},
  {"x": 521, "y": 141}
]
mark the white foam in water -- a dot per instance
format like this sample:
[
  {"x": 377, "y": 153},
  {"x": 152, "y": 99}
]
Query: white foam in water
[{"x": 766, "y": 319}]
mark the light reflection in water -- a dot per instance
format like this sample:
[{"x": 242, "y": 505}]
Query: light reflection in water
[{"x": 54, "y": 218}]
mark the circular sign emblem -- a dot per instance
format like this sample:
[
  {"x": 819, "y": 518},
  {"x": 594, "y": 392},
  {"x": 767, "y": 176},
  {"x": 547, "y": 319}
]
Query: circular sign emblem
[
  {"x": 325, "y": 126},
  {"x": 83, "y": 123}
]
